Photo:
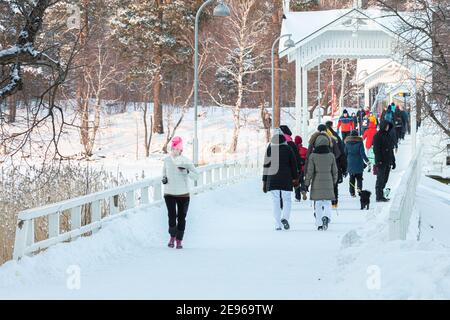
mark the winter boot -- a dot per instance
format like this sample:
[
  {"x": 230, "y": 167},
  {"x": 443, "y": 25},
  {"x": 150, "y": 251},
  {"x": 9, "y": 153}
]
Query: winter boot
[
  {"x": 383, "y": 200},
  {"x": 334, "y": 204},
  {"x": 285, "y": 224},
  {"x": 387, "y": 191},
  {"x": 320, "y": 228},
  {"x": 179, "y": 245},
  {"x": 305, "y": 197},
  {"x": 325, "y": 223},
  {"x": 171, "y": 242}
]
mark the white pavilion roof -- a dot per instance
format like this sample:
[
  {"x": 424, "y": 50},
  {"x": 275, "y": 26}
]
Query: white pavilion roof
[{"x": 306, "y": 25}]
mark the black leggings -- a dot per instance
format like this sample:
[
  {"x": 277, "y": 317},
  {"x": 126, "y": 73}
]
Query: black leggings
[
  {"x": 359, "y": 178},
  {"x": 176, "y": 228}
]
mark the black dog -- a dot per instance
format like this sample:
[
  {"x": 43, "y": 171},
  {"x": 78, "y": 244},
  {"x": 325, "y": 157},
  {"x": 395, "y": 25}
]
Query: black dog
[{"x": 364, "y": 197}]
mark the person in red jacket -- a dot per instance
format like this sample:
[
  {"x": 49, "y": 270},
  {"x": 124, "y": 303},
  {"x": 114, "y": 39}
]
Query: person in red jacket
[
  {"x": 368, "y": 138},
  {"x": 345, "y": 124},
  {"x": 303, "y": 152}
]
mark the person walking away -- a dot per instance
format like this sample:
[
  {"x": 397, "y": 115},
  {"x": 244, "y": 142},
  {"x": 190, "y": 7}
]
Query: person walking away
[
  {"x": 383, "y": 148},
  {"x": 368, "y": 136},
  {"x": 303, "y": 152},
  {"x": 364, "y": 124},
  {"x": 360, "y": 116},
  {"x": 321, "y": 175},
  {"x": 288, "y": 136},
  {"x": 345, "y": 124},
  {"x": 356, "y": 161},
  {"x": 393, "y": 135},
  {"x": 280, "y": 176},
  {"x": 398, "y": 122},
  {"x": 341, "y": 161},
  {"x": 177, "y": 170},
  {"x": 405, "y": 122},
  {"x": 355, "y": 121},
  {"x": 388, "y": 113}
]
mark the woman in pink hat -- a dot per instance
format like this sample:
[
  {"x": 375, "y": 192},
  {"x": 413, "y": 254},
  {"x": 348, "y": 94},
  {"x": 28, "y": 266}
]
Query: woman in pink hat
[{"x": 176, "y": 171}]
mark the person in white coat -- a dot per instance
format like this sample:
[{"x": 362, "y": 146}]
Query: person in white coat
[{"x": 177, "y": 171}]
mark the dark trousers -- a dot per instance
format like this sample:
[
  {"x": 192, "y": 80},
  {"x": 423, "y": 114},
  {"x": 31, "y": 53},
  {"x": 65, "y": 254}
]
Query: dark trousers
[
  {"x": 177, "y": 208},
  {"x": 336, "y": 194},
  {"x": 382, "y": 179},
  {"x": 358, "y": 178},
  {"x": 398, "y": 131},
  {"x": 301, "y": 187}
]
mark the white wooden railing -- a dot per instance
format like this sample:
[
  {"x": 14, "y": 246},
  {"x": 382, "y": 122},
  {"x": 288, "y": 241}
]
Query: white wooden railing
[
  {"x": 403, "y": 202},
  {"x": 104, "y": 205}
]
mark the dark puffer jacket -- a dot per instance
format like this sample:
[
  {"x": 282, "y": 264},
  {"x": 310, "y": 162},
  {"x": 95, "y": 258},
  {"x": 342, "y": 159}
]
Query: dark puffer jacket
[
  {"x": 280, "y": 166},
  {"x": 356, "y": 156},
  {"x": 383, "y": 146}
]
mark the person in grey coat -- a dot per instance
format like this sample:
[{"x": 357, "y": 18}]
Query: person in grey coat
[{"x": 322, "y": 175}]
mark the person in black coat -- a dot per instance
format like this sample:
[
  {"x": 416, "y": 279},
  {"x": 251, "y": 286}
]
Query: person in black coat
[
  {"x": 280, "y": 176},
  {"x": 288, "y": 136},
  {"x": 383, "y": 148}
]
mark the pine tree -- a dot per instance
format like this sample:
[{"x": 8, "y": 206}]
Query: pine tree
[{"x": 156, "y": 34}]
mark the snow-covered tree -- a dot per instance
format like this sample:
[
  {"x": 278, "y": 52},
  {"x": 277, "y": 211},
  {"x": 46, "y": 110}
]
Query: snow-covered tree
[
  {"x": 155, "y": 33},
  {"x": 241, "y": 57}
]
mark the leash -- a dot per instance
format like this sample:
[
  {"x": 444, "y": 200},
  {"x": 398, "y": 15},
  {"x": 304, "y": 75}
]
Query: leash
[{"x": 356, "y": 188}]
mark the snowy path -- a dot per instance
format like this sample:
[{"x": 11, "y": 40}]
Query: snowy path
[{"x": 231, "y": 252}]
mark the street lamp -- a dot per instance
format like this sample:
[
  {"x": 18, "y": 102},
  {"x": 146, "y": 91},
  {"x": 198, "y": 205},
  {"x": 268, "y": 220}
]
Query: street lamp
[
  {"x": 289, "y": 43},
  {"x": 221, "y": 10}
]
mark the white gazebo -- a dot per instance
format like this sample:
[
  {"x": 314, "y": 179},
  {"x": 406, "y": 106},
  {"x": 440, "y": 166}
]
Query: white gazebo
[
  {"x": 335, "y": 34},
  {"x": 392, "y": 75}
]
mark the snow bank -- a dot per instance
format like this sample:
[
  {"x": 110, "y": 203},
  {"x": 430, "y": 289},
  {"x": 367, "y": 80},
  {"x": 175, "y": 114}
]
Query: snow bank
[{"x": 375, "y": 268}]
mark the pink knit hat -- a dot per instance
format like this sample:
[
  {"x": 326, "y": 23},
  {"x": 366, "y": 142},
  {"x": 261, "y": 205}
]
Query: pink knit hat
[{"x": 177, "y": 143}]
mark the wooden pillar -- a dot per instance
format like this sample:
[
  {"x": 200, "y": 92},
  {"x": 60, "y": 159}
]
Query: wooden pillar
[
  {"x": 304, "y": 111},
  {"x": 367, "y": 96},
  {"x": 298, "y": 93}
]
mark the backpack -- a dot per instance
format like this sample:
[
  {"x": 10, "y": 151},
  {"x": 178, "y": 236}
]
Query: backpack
[{"x": 388, "y": 116}]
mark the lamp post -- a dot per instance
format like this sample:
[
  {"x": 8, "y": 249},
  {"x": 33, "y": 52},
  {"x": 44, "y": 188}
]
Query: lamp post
[
  {"x": 221, "y": 10},
  {"x": 288, "y": 44}
]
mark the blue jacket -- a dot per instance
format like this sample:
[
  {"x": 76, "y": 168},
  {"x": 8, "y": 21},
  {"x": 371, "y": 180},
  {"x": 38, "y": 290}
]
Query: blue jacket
[{"x": 356, "y": 156}]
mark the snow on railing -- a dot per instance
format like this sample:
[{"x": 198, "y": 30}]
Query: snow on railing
[
  {"x": 143, "y": 193},
  {"x": 403, "y": 202}
]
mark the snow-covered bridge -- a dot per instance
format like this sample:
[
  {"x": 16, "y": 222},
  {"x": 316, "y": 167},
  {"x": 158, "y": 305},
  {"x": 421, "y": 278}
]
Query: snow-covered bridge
[{"x": 231, "y": 249}]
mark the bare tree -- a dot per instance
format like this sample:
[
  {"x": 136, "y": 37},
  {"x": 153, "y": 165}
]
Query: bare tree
[
  {"x": 24, "y": 53},
  {"x": 98, "y": 77},
  {"x": 424, "y": 39},
  {"x": 242, "y": 60}
]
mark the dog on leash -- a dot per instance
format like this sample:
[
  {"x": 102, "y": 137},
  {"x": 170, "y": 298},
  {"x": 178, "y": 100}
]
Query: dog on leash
[{"x": 364, "y": 197}]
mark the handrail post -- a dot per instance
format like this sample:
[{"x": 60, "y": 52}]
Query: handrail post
[{"x": 20, "y": 242}]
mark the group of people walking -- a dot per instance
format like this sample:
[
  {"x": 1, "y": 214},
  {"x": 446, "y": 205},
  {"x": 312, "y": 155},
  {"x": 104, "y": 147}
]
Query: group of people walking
[
  {"x": 331, "y": 156},
  {"x": 318, "y": 168}
]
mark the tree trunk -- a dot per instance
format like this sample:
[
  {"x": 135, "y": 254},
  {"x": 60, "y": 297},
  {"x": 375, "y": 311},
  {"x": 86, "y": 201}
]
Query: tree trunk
[
  {"x": 157, "y": 108},
  {"x": 147, "y": 130},
  {"x": 265, "y": 118},
  {"x": 12, "y": 101},
  {"x": 276, "y": 59},
  {"x": 82, "y": 91}
]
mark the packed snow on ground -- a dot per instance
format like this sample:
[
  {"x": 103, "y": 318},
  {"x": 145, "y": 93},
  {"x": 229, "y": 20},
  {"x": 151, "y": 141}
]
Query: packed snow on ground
[{"x": 375, "y": 268}]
